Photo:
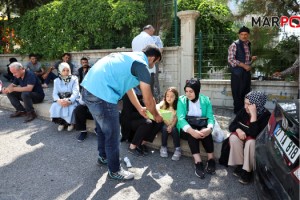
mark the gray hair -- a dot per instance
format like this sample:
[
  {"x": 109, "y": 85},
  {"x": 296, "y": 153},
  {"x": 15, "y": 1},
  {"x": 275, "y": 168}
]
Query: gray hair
[{"x": 16, "y": 65}]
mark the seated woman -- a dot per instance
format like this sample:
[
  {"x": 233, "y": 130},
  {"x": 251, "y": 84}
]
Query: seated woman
[
  {"x": 195, "y": 104},
  {"x": 140, "y": 130},
  {"x": 246, "y": 126},
  {"x": 65, "y": 96}
]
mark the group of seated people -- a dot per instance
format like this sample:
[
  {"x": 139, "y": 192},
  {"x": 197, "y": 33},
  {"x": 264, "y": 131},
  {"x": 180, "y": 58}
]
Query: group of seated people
[{"x": 192, "y": 117}]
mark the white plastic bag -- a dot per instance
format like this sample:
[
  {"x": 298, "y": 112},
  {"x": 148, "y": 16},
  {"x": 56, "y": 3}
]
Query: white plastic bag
[{"x": 217, "y": 134}]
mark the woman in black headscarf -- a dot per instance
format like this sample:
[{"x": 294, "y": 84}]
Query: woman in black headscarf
[
  {"x": 197, "y": 105},
  {"x": 246, "y": 126}
]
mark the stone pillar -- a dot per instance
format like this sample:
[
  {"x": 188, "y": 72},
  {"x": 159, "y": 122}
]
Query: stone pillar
[{"x": 188, "y": 19}]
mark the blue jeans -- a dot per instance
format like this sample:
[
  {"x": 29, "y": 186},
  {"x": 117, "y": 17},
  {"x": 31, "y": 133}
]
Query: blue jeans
[{"x": 106, "y": 116}]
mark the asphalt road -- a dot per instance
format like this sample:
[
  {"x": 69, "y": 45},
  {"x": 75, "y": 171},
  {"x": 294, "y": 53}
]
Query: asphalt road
[{"x": 38, "y": 162}]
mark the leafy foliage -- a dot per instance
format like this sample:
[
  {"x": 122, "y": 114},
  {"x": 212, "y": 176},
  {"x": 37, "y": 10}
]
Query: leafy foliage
[
  {"x": 274, "y": 56},
  {"x": 215, "y": 28},
  {"x": 63, "y": 26},
  {"x": 270, "y": 7}
]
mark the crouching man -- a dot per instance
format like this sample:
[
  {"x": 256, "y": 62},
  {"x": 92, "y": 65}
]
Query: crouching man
[{"x": 25, "y": 87}]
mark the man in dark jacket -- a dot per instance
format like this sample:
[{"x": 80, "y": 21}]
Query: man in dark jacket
[
  {"x": 27, "y": 88},
  {"x": 239, "y": 61}
]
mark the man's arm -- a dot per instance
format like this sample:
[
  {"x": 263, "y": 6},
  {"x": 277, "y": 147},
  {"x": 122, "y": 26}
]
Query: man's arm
[
  {"x": 135, "y": 102},
  {"x": 14, "y": 88},
  {"x": 149, "y": 101}
]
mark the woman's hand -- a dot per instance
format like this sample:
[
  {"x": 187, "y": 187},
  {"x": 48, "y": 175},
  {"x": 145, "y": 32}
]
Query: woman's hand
[
  {"x": 64, "y": 102},
  {"x": 241, "y": 134},
  {"x": 194, "y": 133},
  {"x": 205, "y": 132}
]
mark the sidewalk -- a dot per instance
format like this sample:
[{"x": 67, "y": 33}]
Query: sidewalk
[{"x": 223, "y": 116}]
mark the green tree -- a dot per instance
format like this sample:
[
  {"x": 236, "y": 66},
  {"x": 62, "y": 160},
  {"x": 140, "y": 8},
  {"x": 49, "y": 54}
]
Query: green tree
[
  {"x": 63, "y": 26},
  {"x": 216, "y": 32},
  {"x": 269, "y": 8}
]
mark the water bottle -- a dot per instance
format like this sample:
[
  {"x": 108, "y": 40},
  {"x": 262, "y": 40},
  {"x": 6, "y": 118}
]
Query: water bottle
[{"x": 127, "y": 161}]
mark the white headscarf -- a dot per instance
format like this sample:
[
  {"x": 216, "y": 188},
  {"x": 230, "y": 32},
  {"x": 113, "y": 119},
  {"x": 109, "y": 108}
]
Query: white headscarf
[{"x": 61, "y": 67}]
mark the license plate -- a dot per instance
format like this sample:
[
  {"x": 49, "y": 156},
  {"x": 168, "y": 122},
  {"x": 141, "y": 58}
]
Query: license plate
[{"x": 290, "y": 149}]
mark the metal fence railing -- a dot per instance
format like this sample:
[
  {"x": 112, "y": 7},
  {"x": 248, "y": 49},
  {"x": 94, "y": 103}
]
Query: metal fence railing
[{"x": 274, "y": 54}]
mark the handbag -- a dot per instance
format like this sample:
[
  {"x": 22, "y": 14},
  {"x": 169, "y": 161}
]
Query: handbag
[
  {"x": 195, "y": 122},
  {"x": 63, "y": 95}
]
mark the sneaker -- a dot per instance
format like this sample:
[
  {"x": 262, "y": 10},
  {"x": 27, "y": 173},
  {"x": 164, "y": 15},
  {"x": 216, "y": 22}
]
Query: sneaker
[
  {"x": 60, "y": 127},
  {"x": 177, "y": 154},
  {"x": 199, "y": 170},
  {"x": 238, "y": 171},
  {"x": 121, "y": 175},
  {"x": 102, "y": 161},
  {"x": 136, "y": 152},
  {"x": 44, "y": 85},
  {"x": 246, "y": 177},
  {"x": 70, "y": 127},
  {"x": 211, "y": 166},
  {"x": 82, "y": 136},
  {"x": 163, "y": 152}
]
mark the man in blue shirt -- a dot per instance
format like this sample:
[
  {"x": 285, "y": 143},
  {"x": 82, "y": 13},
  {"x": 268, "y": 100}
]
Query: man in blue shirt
[
  {"x": 25, "y": 87},
  {"x": 104, "y": 85}
]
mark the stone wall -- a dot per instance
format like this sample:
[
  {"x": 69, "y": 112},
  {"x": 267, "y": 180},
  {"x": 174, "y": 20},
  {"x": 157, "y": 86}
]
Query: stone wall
[
  {"x": 220, "y": 94},
  {"x": 170, "y": 67}
]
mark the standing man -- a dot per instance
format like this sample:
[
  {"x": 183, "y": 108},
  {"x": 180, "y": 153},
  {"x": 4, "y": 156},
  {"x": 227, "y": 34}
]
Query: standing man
[
  {"x": 146, "y": 37},
  {"x": 239, "y": 61},
  {"x": 27, "y": 88},
  {"x": 104, "y": 85}
]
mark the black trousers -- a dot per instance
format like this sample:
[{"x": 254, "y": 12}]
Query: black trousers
[
  {"x": 81, "y": 114},
  {"x": 29, "y": 98},
  {"x": 194, "y": 143},
  {"x": 240, "y": 86},
  {"x": 144, "y": 129}
]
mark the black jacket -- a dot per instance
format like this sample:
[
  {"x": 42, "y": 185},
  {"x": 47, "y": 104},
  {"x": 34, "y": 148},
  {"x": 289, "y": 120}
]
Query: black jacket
[{"x": 242, "y": 121}]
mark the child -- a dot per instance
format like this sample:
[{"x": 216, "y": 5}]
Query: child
[{"x": 170, "y": 103}]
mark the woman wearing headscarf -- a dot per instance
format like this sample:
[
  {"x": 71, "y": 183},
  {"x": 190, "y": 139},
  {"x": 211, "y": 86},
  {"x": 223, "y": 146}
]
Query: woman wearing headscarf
[
  {"x": 65, "y": 96},
  {"x": 246, "y": 126},
  {"x": 195, "y": 104}
]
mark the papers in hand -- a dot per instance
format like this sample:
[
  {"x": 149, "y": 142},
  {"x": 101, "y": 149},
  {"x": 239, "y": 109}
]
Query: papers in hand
[{"x": 166, "y": 114}]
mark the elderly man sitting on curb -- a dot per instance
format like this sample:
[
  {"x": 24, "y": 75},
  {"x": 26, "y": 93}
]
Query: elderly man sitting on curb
[{"x": 25, "y": 87}]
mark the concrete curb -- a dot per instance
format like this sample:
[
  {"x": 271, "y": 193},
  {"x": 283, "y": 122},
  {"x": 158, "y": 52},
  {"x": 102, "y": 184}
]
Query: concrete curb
[{"x": 42, "y": 110}]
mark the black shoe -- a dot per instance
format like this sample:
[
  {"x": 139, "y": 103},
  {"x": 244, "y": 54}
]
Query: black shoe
[
  {"x": 199, "y": 170},
  {"x": 18, "y": 114},
  {"x": 144, "y": 149},
  {"x": 123, "y": 139},
  {"x": 245, "y": 178},
  {"x": 136, "y": 152},
  {"x": 211, "y": 166},
  {"x": 238, "y": 171},
  {"x": 30, "y": 116},
  {"x": 82, "y": 136}
]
